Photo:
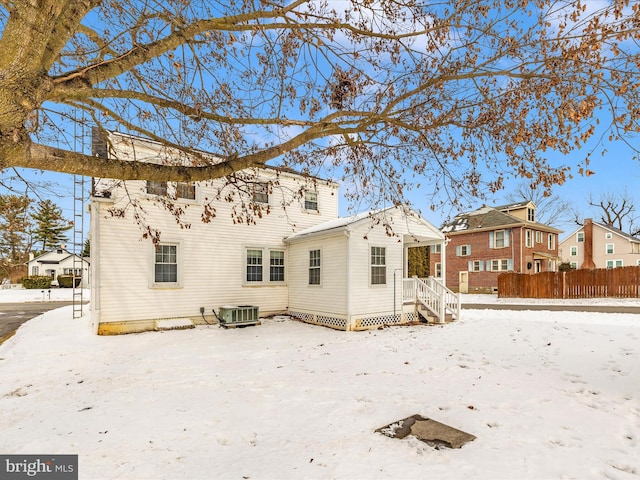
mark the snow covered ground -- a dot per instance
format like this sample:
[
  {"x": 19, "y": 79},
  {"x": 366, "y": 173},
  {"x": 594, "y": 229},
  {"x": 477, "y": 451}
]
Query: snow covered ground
[{"x": 549, "y": 395}]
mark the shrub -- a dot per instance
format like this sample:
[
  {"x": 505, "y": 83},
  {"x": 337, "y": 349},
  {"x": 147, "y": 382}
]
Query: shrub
[
  {"x": 36, "y": 281},
  {"x": 565, "y": 267},
  {"x": 66, "y": 281}
]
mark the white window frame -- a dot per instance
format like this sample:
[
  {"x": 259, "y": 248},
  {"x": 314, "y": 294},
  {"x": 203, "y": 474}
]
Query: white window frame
[
  {"x": 528, "y": 238},
  {"x": 502, "y": 264},
  {"x": 531, "y": 214},
  {"x": 608, "y": 235},
  {"x": 156, "y": 189},
  {"x": 266, "y": 266},
  {"x": 574, "y": 252},
  {"x": 538, "y": 236},
  {"x": 463, "y": 250},
  {"x": 277, "y": 266},
  {"x": 377, "y": 264},
  {"x": 35, "y": 269},
  {"x": 574, "y": 265},
  {"x": 476, "y": 265},
  {"x": 313, "y": 266},
  {"x": 580, "y": 237},
  {"x": 254, "y": 265},
  {"x": 260, "y": 193},
  {"x": 437, "y": 248},
  {"x": 179, "y": 187},
  {"x": 438, "y": 267},
  {"x": 311, "y": 201},
  {"x": 551, "y": 241},
  {"x": 615, "y": 263},
  {"x": 500, "y": 244},
  {"x": 178, "y": 263},
  {"x": 606, "y": 248}
]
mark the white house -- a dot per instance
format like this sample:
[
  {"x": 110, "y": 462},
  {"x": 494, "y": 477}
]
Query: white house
[
  {"x": 348, "y": 273},
  {"x": 60, "y": 261},
  {"x": 596, "y": 245},
  {"x": 196, "y": 267}
]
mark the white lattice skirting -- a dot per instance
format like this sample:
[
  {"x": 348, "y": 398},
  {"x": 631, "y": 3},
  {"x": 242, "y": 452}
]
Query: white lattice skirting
[
  {"x": 324, "y": 320},
  {"x": 363, "y": 323}
]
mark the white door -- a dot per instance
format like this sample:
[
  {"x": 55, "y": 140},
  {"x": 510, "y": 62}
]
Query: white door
[{"x": 463, "y": 282}]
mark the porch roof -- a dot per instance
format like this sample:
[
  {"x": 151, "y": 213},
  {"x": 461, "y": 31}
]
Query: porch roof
[{"x": 349, "y": 223}]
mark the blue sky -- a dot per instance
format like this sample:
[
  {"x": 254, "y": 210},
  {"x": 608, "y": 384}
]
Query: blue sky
[{"x": 615, "y": 172}]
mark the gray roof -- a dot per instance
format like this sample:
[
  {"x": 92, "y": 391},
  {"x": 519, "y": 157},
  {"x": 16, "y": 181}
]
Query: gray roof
[{"x": 490, "y": 218}]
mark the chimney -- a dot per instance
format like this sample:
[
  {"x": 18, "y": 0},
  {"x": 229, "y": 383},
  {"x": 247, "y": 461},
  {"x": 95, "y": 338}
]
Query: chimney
[{"x": 588, "y": 244}]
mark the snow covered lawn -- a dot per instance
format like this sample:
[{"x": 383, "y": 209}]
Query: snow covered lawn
[{"x": 549, "y": 395}]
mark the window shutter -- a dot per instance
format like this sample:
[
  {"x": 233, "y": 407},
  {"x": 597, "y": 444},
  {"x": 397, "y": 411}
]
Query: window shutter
[
  {"x": 488, "y": 265},
  {"x": 481, "y": 265},
  {"x": 470, "y": 267},
  {"x": 458, "y": 251},
  {"x": 468, "y": 249},
  {"x": 507, "y": 234},
  {"x": 510, "y": 264},
  {"x": 491, "y": 236}
]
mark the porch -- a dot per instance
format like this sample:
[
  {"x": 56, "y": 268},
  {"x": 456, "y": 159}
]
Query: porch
[{"x": 432, "y": 300}]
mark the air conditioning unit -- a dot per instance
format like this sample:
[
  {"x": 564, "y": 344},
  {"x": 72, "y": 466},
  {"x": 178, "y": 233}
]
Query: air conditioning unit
[{"x": 239, "y": 316}]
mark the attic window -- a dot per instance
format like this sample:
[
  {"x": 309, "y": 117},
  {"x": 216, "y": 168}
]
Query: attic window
[
  {"x": 261, "y": 193},
  {"x": 531, "y": 215},
  {"x": 59, "y": 251}
]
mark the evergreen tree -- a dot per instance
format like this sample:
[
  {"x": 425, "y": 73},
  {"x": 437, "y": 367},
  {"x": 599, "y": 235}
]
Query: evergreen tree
[
  {"x": 15, "y": 241},
  {"x": 86, "y": 249},
  {"x": 49, "y": 225}
]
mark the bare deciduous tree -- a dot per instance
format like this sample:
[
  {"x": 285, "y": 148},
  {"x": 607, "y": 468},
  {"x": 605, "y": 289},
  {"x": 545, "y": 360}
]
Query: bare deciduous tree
[
  {"x": 617, "y": 210},
  {"x": 551, "y": 209},
  {"x": 391, "y": 94}
]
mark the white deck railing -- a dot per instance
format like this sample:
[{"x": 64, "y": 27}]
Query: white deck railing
[{"x": 433, "y": 295}]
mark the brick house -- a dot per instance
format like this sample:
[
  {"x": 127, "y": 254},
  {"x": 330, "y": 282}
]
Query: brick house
[{"x": 491, "y": 240}]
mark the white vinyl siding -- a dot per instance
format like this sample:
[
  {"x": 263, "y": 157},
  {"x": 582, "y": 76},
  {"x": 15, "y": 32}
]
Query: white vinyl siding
[{"x": 214, "y": 257}]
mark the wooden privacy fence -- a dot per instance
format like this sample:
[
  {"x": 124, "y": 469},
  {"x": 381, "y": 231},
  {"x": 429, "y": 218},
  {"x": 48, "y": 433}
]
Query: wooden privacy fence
[{"x": 600, "y": 282}]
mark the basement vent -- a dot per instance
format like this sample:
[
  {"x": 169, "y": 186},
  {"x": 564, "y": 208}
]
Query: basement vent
[{"x": 238, "y": 316}]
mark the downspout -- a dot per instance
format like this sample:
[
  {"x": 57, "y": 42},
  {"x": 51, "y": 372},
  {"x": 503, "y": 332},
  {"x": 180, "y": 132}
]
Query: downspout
[
  {"x": 347, "y": 234},
  {"x": 443, "y": 260}
]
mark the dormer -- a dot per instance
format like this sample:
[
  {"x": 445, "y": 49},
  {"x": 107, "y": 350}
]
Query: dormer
[{"x": 525, "y": 210}]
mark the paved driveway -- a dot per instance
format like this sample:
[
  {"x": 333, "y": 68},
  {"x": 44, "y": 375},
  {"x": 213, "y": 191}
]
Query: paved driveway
[{"x": 12, "y": 315}]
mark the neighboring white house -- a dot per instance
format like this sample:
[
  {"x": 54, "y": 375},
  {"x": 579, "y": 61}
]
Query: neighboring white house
[
  {"x": 60, "y": 261},
  {"x": 596, "y": 245},
  {"x": 197, "y": 267}
]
